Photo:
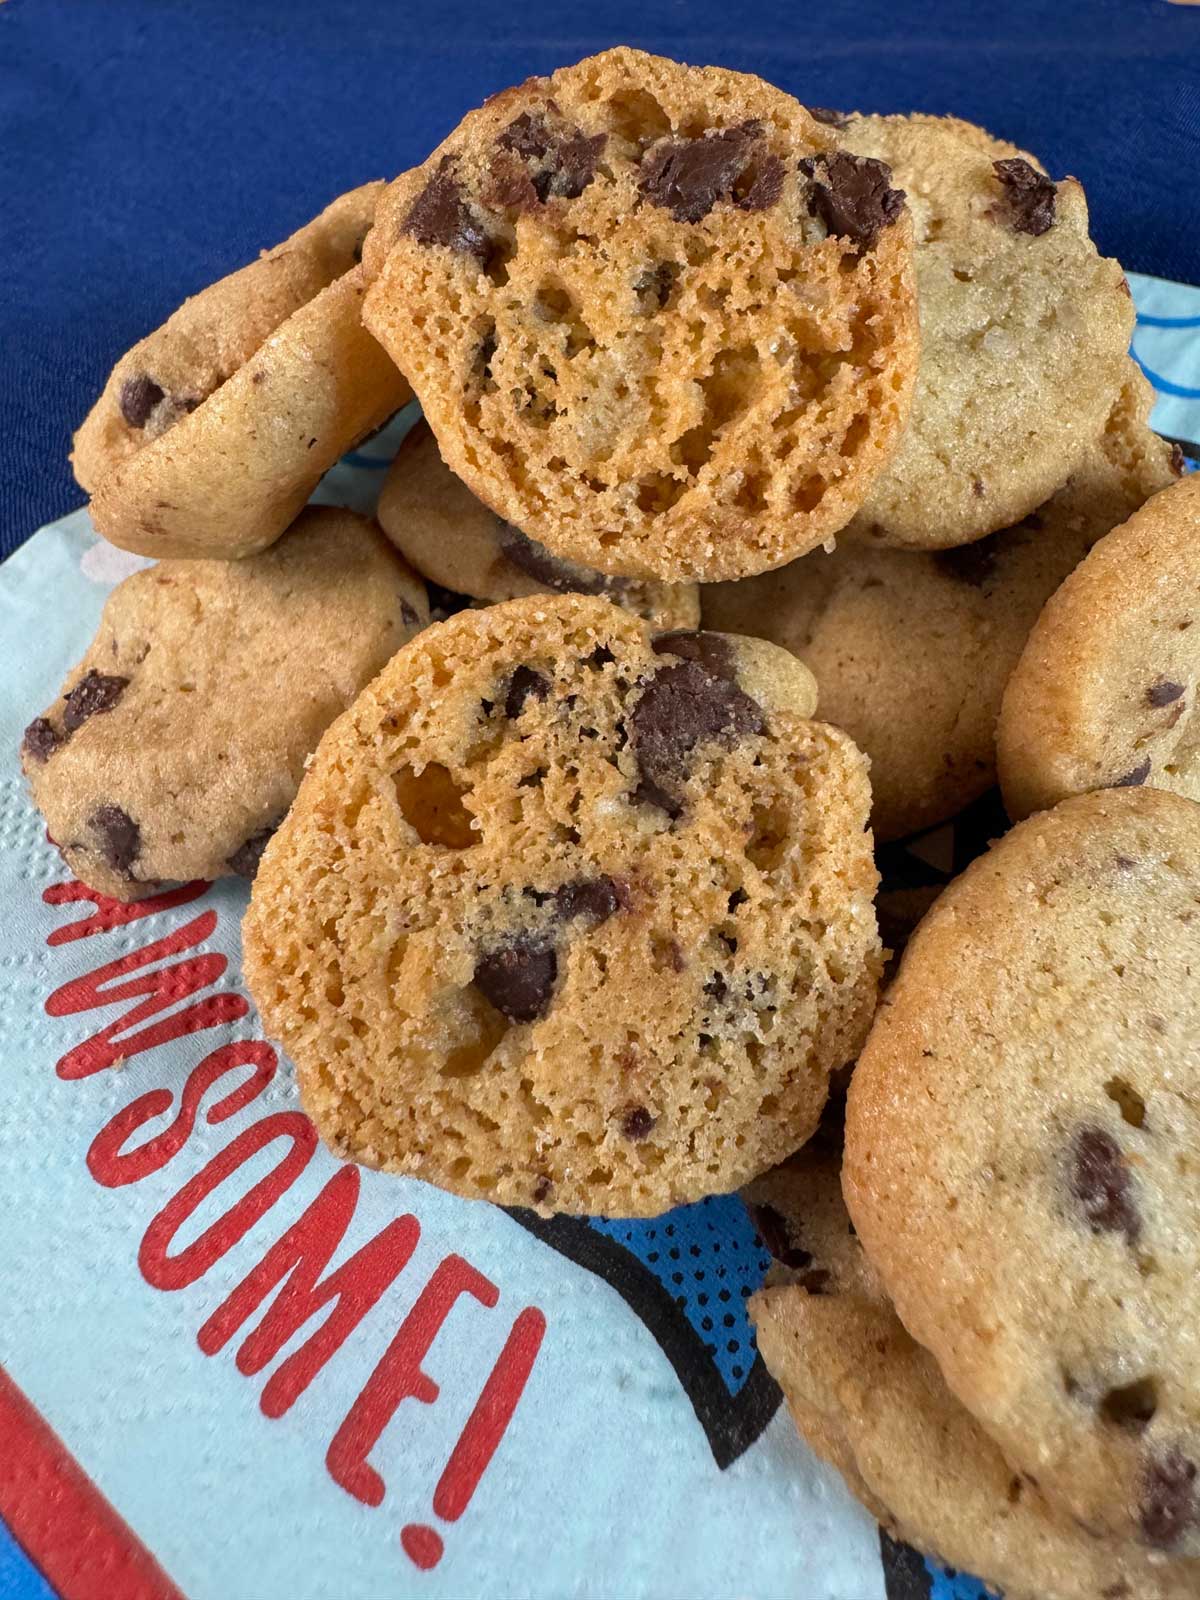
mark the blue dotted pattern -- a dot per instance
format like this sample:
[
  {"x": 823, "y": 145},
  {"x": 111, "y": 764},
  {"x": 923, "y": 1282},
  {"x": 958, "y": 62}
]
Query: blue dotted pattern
[
  {"x": 710, "y": 1259},
  {"x": 950, "y": 1585}
]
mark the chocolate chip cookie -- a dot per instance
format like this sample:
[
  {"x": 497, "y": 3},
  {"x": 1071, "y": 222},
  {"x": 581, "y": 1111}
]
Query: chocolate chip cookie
[
  {"x": 213, "y": 431},
  {"x": 912, "y": 651},
  {"x": 179, "y": 740},
  {"x": 1105, "y": 690},
  {"x": 1021, "y": 1140},
  {"x": 655, "y": 316},
  {"x": 873, "y": 1404},
  {"x": 571, "y": 915},
  {"x": 453, "y": 540},
  {"x": 1024, "y": 334}
]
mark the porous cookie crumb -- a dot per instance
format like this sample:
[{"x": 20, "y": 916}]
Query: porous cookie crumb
[
  {"x": 873, "y": 1404},
  {"x": 1105, "y": 691},
  {"x": 179, "y": 740},
  {"x": 1020, "y": 1155},
  {"x": 570, "y": 915},
  {"x": 656, "y": 318},
  {"x": 453, "y": 540},
  {"x": 1024, "y": 333}
]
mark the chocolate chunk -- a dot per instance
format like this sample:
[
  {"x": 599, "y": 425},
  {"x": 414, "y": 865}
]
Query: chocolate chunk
[
  {"x": 974, "y": 563},
  {"x": 565, "y": 158},
  {"x": 564, "y": 577},
  {"x": 637, "y": 1123},
  {"x": 596, "y": 898},
  {"x": 518, "y": 978},
  {"x": 511, "y": 188},
  {"x": 1100, "y": 1182},
  {"x": 95, "y": 692},
  {"x": 1163, "y": 692},
  {"x": 1177, "y": 458},
  {"x": 764, "y": 187},
  {"x": 41, "y": 739},
  {"x": 687, "y": 177},
  {"x": 245, "y": 859},
  {"x": 1135, "y": 778},
  {"x": 541, "y": 1189},
  {"x": 680, "y": 708},
  {"x": 523, "y": 683},
  {"x": 408, "y": 614},
  {"x": 138, "y": 398},
  {"x": 853, "y": 195},
  {"x": 711, "y": 650},
  {"x": 773, "y": 1231},
  {"x": 831, "y": 119},
  {"x": 1167, "y": 1505},
  {"x": 119, "y": 835},
  {"x": 440, "y": 215},
  {"x": 1031, "y": 196}
]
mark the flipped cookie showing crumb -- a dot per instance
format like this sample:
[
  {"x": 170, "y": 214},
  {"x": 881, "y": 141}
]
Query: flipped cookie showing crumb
[
  {"x": 454, "y": 541},
  {"x": 1105, "y": 691},
  {"x": 213, "y": 431},
  {"x": 1025, "y": 331},
  {"x": 570, "y": 915},
  {"x": 873, "y": 1404},
  {"x": 655, "y": 316},
  {"x": 1021, "y": 1140},
  {"x": 912, "y": 651},
  {"x": 179, "y": 740}
]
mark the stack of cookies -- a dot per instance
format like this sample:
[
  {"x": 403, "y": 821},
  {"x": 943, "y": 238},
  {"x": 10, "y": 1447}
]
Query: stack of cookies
[{"x": 783, "y": 483}]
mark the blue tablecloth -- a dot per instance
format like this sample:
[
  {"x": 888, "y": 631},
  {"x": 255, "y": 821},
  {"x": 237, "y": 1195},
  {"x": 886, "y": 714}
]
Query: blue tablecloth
[{"x": 148, "y": 146}]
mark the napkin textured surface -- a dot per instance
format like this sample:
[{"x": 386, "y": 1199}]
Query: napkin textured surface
[{"x": 284, "y": 1380}]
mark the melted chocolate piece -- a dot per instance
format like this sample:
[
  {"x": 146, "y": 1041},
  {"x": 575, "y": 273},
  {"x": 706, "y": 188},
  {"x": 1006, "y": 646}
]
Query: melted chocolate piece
[
  {"x": 1032, "y": 197},
  {"x": 119, "y": 835},
  {"x": 41, "y": 739},
  {"x": 138, "y": 398},
  {"x": 687, "y": 177},
  {"x": 1135, "y": 778},
  {"x": 440, "y": 216},
  {"x": 853, "y": 195},
  {"x": 637, "y": 1123},
  {"x": 773, "y": 1231},
  {"x": 1167, "y": 1505},
  {"x": 680, "y": 708},
  {"x": 564, "y": 577},
  {"x": 1163, "y": 692},
  {"x": 595, "y": 898},
  {"x": 1100, "y": 1183},
  {"x": 518, "y": 978},
  {"x": 711, "y": 650},
  {"x": 95, "y": 692},
  {"x": 523, "y": 683}
]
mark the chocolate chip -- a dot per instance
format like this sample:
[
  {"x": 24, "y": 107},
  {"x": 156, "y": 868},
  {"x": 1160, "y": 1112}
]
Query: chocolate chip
[
  {"x": 564, "y": 577},
  {"x": 1177, "y": 460},
  {"x": 564, "y": 158},
  {"x": 245, "y": 859},
  {"x": 831, "y": 119},
  {"x": 711, "y": 650},
  {"x": 1134, "y": 779},
  {"x": 1100, "y": 1182},
  {"x": 774, "y": 1232},
  {"x": 1167, "y": 1502},
  {"x": 408, "y": 614},
  {"x": 95, "y": 692},
  {"x": 1031, "y": 196},
  {"x": 970, "y": 563},
  {"x": 138, "y": 398},
  {"x": 41, "y": 739},
  {"x": 440, "y": 215},
  {"x": 518, "y": 978},
  {"x": 523, "y": 683},
  {"x": 852, "y": 195},
  {"x": 596, "y": 898},
  {"x": 637, "y": 1123},
  {"x": 687, "y": 177},
  {"x": 119, "y": 835},
  {"x": 764, "y": 187},
  {"x": 510, "y": 187},
  {"x": 541, "y": 1189},
  {"x": 1163, "y": 692},
  {"x": 680, "y": 708}
]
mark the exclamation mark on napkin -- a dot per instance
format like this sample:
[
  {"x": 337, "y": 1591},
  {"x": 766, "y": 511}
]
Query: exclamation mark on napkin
[{"x": 478, "y": 1441}]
